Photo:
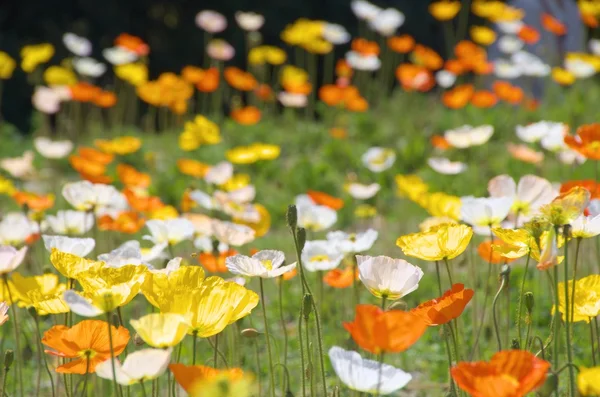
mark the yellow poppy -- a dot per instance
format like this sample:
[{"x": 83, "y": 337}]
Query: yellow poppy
[
  {"x": 6, "y": 186},
  {"x": 122, "y": 145},
  {"x": 7, "y": 65},
  {"x": 410, "y": 186},
  {"x": 161, "y": 330},
  {"x": 318, "y": 46},
  {"x": 482, "y": 35},
  {"x": 266, "y": 151},
  {"x": 58, "y": 75},
  {"x": 157, "y": 287},
  {"x": 242, "y": 155},
  {"x": 266, "y": 54},
  {"x": 200, "y": 131},
  {"x": 302, "y": 31},
  {"x": 441, "y": 204},
  {"x": 192, "y": 167},
  {"x": 34, "y": 55},
  {"x": 588, "y": 381},
  {"x": 517, "y": 242},
  {"x": 486, "y": 9},
  {"x": 434, "y": 221},
  {"x": 587, "y": 303},
  {"x": 70, "y": 265},
  {"x": 444, "y": 10},
  {"x": 150, "y": 92},
  {"x": 293, "y": 75},
  {"x": 135, "y": 74},
  {"x": 224, "y": 385},
  {"x": 365, "y": 211},
  {"x": 566, "y": 207},
  {"x": 237, "y": 181},
  {"x": 507, "y": 14},
  {"x": 444, "y": 241},
  {"x": 164, "y": 213},
  {"x": 562, "y": 76},
  {"x": 32, "y": 290}
]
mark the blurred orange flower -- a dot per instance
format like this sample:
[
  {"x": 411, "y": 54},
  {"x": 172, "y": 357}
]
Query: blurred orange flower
[
  {"x": 586, "y": 141},
  {"x": 189, "y": 375},
  {"x": 446, "y": 308},
  {"x": 338, "y": 133},
  {"x": 325, "y": 199},
  {"x": 589, "y": 184},
  {"x": 215, "y": 264},
  {"x": 290, "y": 274},
  {"x": 458, "y": 97},
  {"x": 85, "y": 166},
  {"x": 105, "y": 99},
  {"x": 343, "y": 69},
  {"x": 488, "y": 254},
  {"x": 439, "y": 142},
  {"x": 142, "y": 202},
  {"x": 454, "y": 66},
  {"x": 96, "y": 156},
  {"x": 132, "y": 43},
  {"x": 129, "y": 176},
  {"x": 365, "y": 47},
  {"x": 84, "y": 92},
  {"x": 512, "y": 373},
  {"x": 427, "y": 57},
  {"x": 129, "y": 222},
  {"x": 192, "y": 167},
  {"x": 264, "y": 93},
  {"x": 192, "y": 74},
  {"x": 401, "y": 44},
  {"x": 209, "y": 81},
  {"x": 484, "y": 99},
  {"x": 528, "y": 34},
  {"x": 507, "y": 92},
  {"x": 553, "y": 25},
  {"x": 338, "y": 278},
  {"x": 33, "y": 201},
  {"x": 524, "y": 153},
  {"x": 248, "y": 115},
  {"x": 238, "y": 79},
  {"x": 589, "y": 20},
  {"x": 414, "y": 77},
  {"x": 379, "y": 331}
]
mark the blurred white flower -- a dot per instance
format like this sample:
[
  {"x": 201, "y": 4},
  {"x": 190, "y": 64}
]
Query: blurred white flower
[
  {"x": 46, "y": 100},
  {"x": 291, "y": 100},
  {"x": 504, "y": 69},
  {"x": 320, "y": 255},
  {"x": 11, "y": 258},
  {"x": 362, "y": 192},
  {"x": 19, "y": 167},
  {"x": 445, "y": 79},
  {"x": 119, "y": 55},
  {"x": 71, "y": 245},
  {"x": 510, "y": 44},
  {"x": 220, "y": 173},
  {"x": 484, "y": 212},
  {"x": 570, "y": 157},
  {"x": 364, "y": 10},
  {"x": 15, "y": 228},
  {"x": 170, "y": 231},
  {"x": 353, "y": 242},
  {"x": 387, "y": 21},
  {"x": 585, "y": 226},
  {"x": 378, "y": 159},
  {"x": 70, "y": 222},
  {"x": 315, "y": 217},
  {"x": 78, "y": 45},
  {"x": 232, "y": 233},
  {"x": 389, "y": 277},
  {"x": 52, "y": 149},
  {"x": 335, "y": 34},
  {"x": 89, "y": 67},
  {"x": 444, "y": 166},
  {"x": 86, "y": 196},
  {"x": 363, "y": 62},
  {"x": 220, "y": 50},
  {"x": 510, "y": 27},
  {"x": 594, "y": 46},
  {"x": 467, "y": 136},
  {"x": 139, "y": 366},
  {"x": 580, "y": 68},
  {"x": 211, "y": 21},
  {"x": 534, "y": 132},
  {"x": 249, "y": 21}
]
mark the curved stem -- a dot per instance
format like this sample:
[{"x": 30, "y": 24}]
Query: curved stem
[
  {"x": 303, "y": 375},
  {"x": 4, "y": 381},
  {"x": 520, "y": 311},
  {"x": 496, "y": 328},
  {"x": 112, "y": 354},
  {"x": 223, "y": 358},
  {"x": 592, "y": 342},
  {"x": 39, "y": 339},
  {"x": 542, "y": 347},
  {"x": 18, "y": 356},
  {"x": 266, "y": 322}
]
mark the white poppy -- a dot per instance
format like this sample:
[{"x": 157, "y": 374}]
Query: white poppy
[
  {"x": 264, "y": 264},
  {"x": 445, "y": 166},
  {"x": 335, "y": 34},
  {"x": 52, "y": 149},
  {"x": 19, "y": 167},
  {"x": 80, "y": 305},
  {"x": 445, "y": 79},
  {"x": 594, "y": 46},
  {"x": 504, "y": 69},
  {"x": 364, "y": 10},
  {"x": 585, "y": 226},
  {"x": 244, "y": 212},
  {"x": 467, "y": 136},
  {"x": 362, "y": 192},
  {"x": 316, "y": 217},
  {"x": 203, "y": 199},
  {"x": 220, "y": 173},
  {"x": 11, "y": 258},
  {"x": 242, "y": 195},
  {"x": 389, "y": 277},
  {"x": 139, "y": 366},
  {"x": 211, "y": 21},
  {"x": 78, "y": 45},
  {"x": 154, "y": 252},
  {"x": 249, "y": 21},
  {"x": 359, "y": 61},
  {"x": 510, "y": 44},
  {"x": 291, "y": 100},
  {"x": 510, "y": 27},
  {"x": 170, "y": 231},
  {"x": 70, "y": 222},
  {"x": 86, "y": 196},
  {"x": 205, "y": 244},
  {"x": 378, "y": 159},
  {"x": 554, "y": 139},
  {"x": 76, "y": 246},
  {"x": 363, "y": 375},
  {"x": 484, "y": 212},
  {"x": 570, "y": 157},
  {"x": 89, "y": 67},
  {"x": 580, "y": 68},
  {"x": 594, "y": 207},
  {"x": 387, "y": 21},
  {"x": 232, "y": 233},
  {"x": 128, "y": 253},
  {"x": 353, "y": 242},
  {"x": 534, "y": 132},
  {"x": 15, "y": 228},
  {"x": 119, "y": 55},
  {"x": 220, "y": 50},
  {"x": 46, "y": 100},
  {"x": 530, "y": 64},
  {"x": 320, "y": 255}
]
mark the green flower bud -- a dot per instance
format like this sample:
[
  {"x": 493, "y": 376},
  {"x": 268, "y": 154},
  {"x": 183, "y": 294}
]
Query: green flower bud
[
  {"x": 9, "y": 357},
  {"x": 249, "y": 333},
  {"x": 528, "y": 296},
  {"x": 292, "y": 216},
  {"x": 301, "y": 237},
  {"x": 307, "y": 305},
  {"x": 515, "y": 344}
]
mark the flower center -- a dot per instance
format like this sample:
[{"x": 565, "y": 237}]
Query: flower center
[
  {"x": 319, "y": 258},
  {"x": 268, "y": 264}
]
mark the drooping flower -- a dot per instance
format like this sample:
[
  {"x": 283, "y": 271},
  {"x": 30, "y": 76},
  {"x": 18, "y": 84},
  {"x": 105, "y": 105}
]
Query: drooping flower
[
  {"x": 387, "y": 277},
  {"x": 565, "y": 208}
]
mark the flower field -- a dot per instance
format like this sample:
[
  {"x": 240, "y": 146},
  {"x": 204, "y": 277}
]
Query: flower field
[{"x": 343, "y": 214}]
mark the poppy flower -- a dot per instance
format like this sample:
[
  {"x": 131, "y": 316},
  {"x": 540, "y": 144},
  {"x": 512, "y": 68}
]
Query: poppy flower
[
  {"x": 200, "y": 131},
  {"x": 385, "y": 276},
  {"x": 439, "y": 142},
  {"x": 192, "y": 74},
  {"x": 553, "y": 25},
  {"x": 566, "y": 207},
  {"x": 446, "y": 308},
  {"x": 365, "y": 47},
  {"x": 7, "y": 66},
  {"x": 458, "y": 97},
  {"x": 487, "y": 251},
  {"x": 325, "y": 199},
  {"x": 87, "y": 340},
  {"x": 586, "y": 141},
  {"x": 32, "y": 201},
  {"x": 340, "y": 278},
  {"x": 95, "y": 156},
  {"x": 427, "y": 57},
  {"x": 131, "y": 177},
  {"x": 142, "y": 202},
  {"x": 135, "y": 74},
  {"x": 139, "y": 366},
  {"x": 239, "y": 79},
  {"x": 507, "y": 92},
  {"x": 264, "y": 93},
  {"x": 401, "y": 44},
  {"x": 454, "y": 66},
  {"x": 484, "y": 99},
  {"x": 248, "y": 115},
  {"x": 444, "y": 10},
  {"x": 129, "y": 222},
  {"x": 589, "y": 184},
  {"x": 528, "y": 34},
  {"x": 87, "y": 167},
  {"x": 132, "y": 43},
  {"x": 445, "y": 241},
  {"x": 379, "y": 331},
  {"x": 562, "y": 76},
  {"x": 482, "y": 35},
  {"x": 194, "y": 378},
  {"x": 35, "y": 55},
  {"x": 161, "y": 330},
  {"x": 414, "y": 77},
  {"x": 215, "y": 263},
  {"x": 338, "y": 133},
  {"x": 588, "y": 381},
  {"x": 508, "y": 373},
  {"x": 524, "y": 153},
  {"x": 84, "y": 92},
  {"x": 105, "y": 99},
  {"x": 589, "y": 20},
  {"x": 343, "y": 69},
  {"x": 192, "y": 168}
]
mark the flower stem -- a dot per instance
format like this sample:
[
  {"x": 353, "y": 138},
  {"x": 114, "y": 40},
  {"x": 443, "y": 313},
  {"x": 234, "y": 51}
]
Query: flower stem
[
  {"x": 439, "y": 278},
  {"x": 215, "y": 351},
  {"x": 194, "y": 338},
  {"x": 303, "y": 377},
  {"x": 283, "y": 329},
  {"x": 85, "y": 376},
  {"x": 574, "y": 280},
  {"x": 448, "y": 271},
  {"x": 112, "y": 354},
  {"x": 383, "y": 300},
  {"x": 380, "y": 372},
  {"x": 520, "y": 311},
  {"x": 17, "y": 336},
  {"x": 556, "y": 321},
  {"x": 39, "y": 339},
  {"x": 592, "y": 342},
  {"x": 143, "y": 388},
  {"x": 496, "y": 328},
  {"x": 258, "y": 366},
  {"x": 568, "y": 312},
  {"x": 4, "y": 381},
  {"x": 266, "y": 322},
  {"x": 483, "y": 312},
  {"x": 449, "y": 353}
]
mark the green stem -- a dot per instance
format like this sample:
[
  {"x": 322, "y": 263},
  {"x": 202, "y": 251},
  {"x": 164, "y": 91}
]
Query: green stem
[
  {"x": 283, "y": 328},
  {"x": 303, "y": 376},
  {"x": 143, "y": 388},
  {"x": 449, "y": 272},
  {"x": 482, "y": 319},
  {"x": 439, "y": 277},
  {"x": 112, "y": 354},
  {"x": 85, "y": 376},
  {"x": 450, "y": 362},
  {"x": 18, "y": 356},
  {"x": 264, "y": 310},
  {"x": 567, "y": 313},
  {"x": 216, "y": 351},
  {"x": 355, "y": 292},
  {"x": 496, "y": 328},
  {"x": 556, "y": 321},
  {"x": 39, "y": 339},
  {"x": 520, "y": 311},
  {"x": 527, "y": 343},
  {"x": 4, "y": 381},
  {"x": 194, "y": 338},
  {"x": 572, "y": 309},
  {"x": 380, "y": 372},
  {"x": 592, "y": 342},
  {"x": 310, "y": 372},
  {"x": 383, "y": 300}
]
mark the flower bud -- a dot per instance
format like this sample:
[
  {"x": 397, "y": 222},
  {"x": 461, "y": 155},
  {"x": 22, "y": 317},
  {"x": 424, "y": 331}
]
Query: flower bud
[
  {"x": 549, "y": 386},
  {"x": 292, "y": 216},
  {"x": 301, "y": 237},
  {"x": 307, "y": 306},
  {"x": 249, "y": 333},
  {"x": 505, "y": 271},
  {"x": 528, "y": 296},
  {"x": 9, "y": 356},
  {"x": 515, "y": 344}
]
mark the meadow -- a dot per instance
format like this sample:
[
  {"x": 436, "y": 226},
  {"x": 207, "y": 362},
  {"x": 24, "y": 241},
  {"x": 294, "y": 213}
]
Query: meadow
[{"x": 393, "y": 222}]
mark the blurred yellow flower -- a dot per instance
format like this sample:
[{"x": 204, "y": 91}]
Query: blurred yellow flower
[
  {"x": 193, "y": 168},
  {"x": 266, "y": 54},
  {"x": 200, "y": 131},
  {"x": 135, "y": 74},
  {"x": 224, "y": 385},
  {"x": 562, "y": 76},
  {"x": 365, "y": 211},
  {"x": 318, "y": 46},
  {"x": 482, "y": 35},
  {"x": 161, "y": 330},
  {"x": 31, "y": 290},
  {"x": 293, "y": 75},
  {"x": 486, "y": 9},
  {"x": 253, "y": 153},
  {"x": 164, "y": 213},
  {"x": 591, "y": 59},
  {"x": 6, "y": 186},
  {"x": 70, "y": 265},
  {"x": 122, "y": 145},
  {"x": 7, "y": 65},
  {"x": 150, "y": 92},
  {"x": 587, "y": 298},
  {"x": 441, "y": 204},
  {"x": 237, "y": 181},
  {"x": 410, "y": 186},
  {"x": 302, "y": 31},
  {"x": 566, "y": 207},
  {"x": 434, "y": 221},
  {"x": 588, "y": 381},
  {"x": 34, "y": 55},
  {"x": 443, "y": 241},
  {"x": 444, "y": 10},
  {"x": 59, "y": 75},
  {"x": 507, "y": 14},
  {"x": 262, "y": 226}
]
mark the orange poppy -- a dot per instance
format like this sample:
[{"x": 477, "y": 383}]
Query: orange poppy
[
  {"x": 528, "y": 34},
  {"x": 414, "y": 77},
  {"x": 187, "y": 204},
  {"x": 210, "y": 81},
  {"x": 132, "y": 43},
  {"x": 484, "y": 99},
  {"x": 472, "y": 57},
  {"x": 103, "y": 179},
  {"x": 402, "y": 44},
  {"x": 88, "y": 338},
  {"x": 338, "y": 278},
  {"x": 358, "y": 104},
  {"x": 482, "y": 66},
  {"x": 589, "y": 184},
  {"x": 330, "y": 94},
  {"x": 439, "y": 142},
  {"x": 248, "y": 115},
  {"x": 192, "y": 167},
  {"x": 365, "y": 47},
  {"x": 454, "y": 66},
  {"x": 446, "y": 308},
  {"x": 35, "y": 202},
  {"x": 488, "y": 254},
  {"x": 84, "y": 92},
  {"x": 129, "y": 222},
  {"x": 86, "y": 166},
  {"x": 105, "y": 99},
  {"x": 427, "y": 57},
  {"x": 511, "y": 373},
  {"x": 531, "y": 104},
  {"x": 343, "y": 69},
  {"x": 188, "y": 375},
  {"x": 290, "y": 274},
  {"x": 129, "y": 176},
  {"x": 586, "y": 141},
  {"x": 465, "y": 49},
  {"x": 264, "y": 93},
  {"x": 338, "y": 133},
  {"x": 391, "y": 331},
  {"x": 297, "y": 88},
  {"x": 458, "y": 97},
  {"x": 325, "y": 199},
  {"x": 192, "y": 74},
  {"x": 215, "y": 263},
  {"x": 238, "y": 79},
  {"x": 589, "y": 20},
  {"x": 507, "y": 92},
  {"x": 524, "y": 153},
  {"x": 142, "y": 202},
  {"x": 32, "y": 238},
  {"x": 96, "y": 156},
  {"x": 553, "y": 25}
]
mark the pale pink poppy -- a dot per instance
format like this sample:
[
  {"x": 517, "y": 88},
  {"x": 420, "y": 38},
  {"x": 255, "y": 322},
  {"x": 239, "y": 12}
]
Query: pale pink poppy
[
  {"x": 220, "y": 50},
  {"x": 211, "y": 21}
]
